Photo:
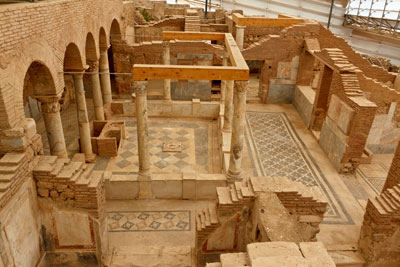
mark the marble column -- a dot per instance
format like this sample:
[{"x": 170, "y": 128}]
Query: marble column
[
  {"x": 105, "y": 77},
  {"x": 166, "y": 61},
  {"x": 223, "y": 82},
  {"x": 53, "y": 124},
  {"x": 83, "y": 119},
  {"x": 96, "y": 89},
  {"x": 144, "y": 176},
  {"x": 228, "y": 107},
  {"x": 240, "y": 36},
  {"x": 238, "y": 127}
]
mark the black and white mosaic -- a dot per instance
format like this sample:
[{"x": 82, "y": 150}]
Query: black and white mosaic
[
  {"x": 149, "y": 221},
  {"x": 280, "y": 152}
]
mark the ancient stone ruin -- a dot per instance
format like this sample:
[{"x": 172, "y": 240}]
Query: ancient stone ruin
[{"x": 150, "y": 133}]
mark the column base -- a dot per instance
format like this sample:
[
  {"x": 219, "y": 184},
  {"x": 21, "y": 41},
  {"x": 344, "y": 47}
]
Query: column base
[
  {"x": 145, "y": 190},
  {"x": 232, "y": 177},
  {"x": 229, "y": 130},
  {"x": 90, "y": 158}
]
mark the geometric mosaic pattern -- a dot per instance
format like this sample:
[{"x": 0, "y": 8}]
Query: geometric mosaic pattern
[
  {"x": 374, "y": 174},
  {"x": 279, "y": 155},
  {"x": 280, "y": 152},
  {"x": 161, "y": 162},
  {"x": 149, "y": 221}
]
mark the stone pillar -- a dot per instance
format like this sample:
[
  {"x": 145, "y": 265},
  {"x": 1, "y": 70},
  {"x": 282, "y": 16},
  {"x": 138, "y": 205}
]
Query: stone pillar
[
  {"x": 228, "y": 109},
  {"x": 166, "y": 61},
  {"x": 223, "y": 82},
  {"x": 54, "y": 129},
  {"x": 240, "y": 36},
  {"x": 238, "y": 126},
  {"x": 105, "y": 77},
  {"x": 144, "y": 176},
  {"x": 83, "y": 120},
  {"x": 96, "y": 89}
]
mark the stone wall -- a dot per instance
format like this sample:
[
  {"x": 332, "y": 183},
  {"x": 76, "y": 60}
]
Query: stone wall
[{"x": 303, "y": 101}]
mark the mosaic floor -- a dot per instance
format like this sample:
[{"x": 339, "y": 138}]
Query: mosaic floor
[
  {"x": 375, "y": 174},
  {"x": 145, "y": 221},
  {"x": 193, "y": 138},
  {"x": 278, "y": 151}
]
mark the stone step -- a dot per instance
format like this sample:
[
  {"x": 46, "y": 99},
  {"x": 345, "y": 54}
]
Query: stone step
[
  {"x": 4, "y": 186},
  {"x": 384, "y": 205},
  {"x": 234, "y": 195},
  {"x": 378, "y": 206},
  {"x": 389, "y": 201},
  {"x": 213, "y": 214},
  {"x": 6, "y": 178},
  {"x": 202, "y": 220},
  {"x": 213, "y": 264},
  {"x": 224, "y": 196},
  {"x": 95, "y": 179},
  {"x": 246, "y": 192},
  {"x": 207, "y": 217},
  {"x": 393, "y": 195},
  {"x": 8, "y": 169},
  {"x": 12, "y": 159},
  {"x": 198, "y": 223}
]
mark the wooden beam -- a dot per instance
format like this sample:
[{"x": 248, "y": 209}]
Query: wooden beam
[
  {"x": 240, "y": 20},
  {"x": 235, "y": 55},
  {"x": 194, "y": 36},
  {"x": 142, "y": 72}
]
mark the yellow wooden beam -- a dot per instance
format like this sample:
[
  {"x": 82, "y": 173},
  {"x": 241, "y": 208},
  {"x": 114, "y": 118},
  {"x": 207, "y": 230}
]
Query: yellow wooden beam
[
  {"x": 235, "y": 55},
  {"x": 240, "y": 20},
  {"x": 142, "y": 72},
  {"x": 194, "y": 36}
]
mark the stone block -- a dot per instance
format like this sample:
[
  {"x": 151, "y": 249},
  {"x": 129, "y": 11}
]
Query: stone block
[
  {"x": 341, "y": 113},
  {"x": 272, "y": 249},
  {"x": 189, "y": 185},
  {"x": 43, "y": 192},
  {"x": 316, "y": 254},
  {"x": 281, "y": 261},
  {"x": 206, "y": 185},
  {"x": 280, "y": 93},
  {"x": 167, "y": 186},
  {"x": 122, "y": 187},
  {"x": 67, "y": 232}
]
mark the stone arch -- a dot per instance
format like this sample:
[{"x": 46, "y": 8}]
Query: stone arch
[
  {"x": 115, "y": 31},
  {"x": 91, "y": 52},
  {"x": 103, "y": 40},
  {"x": 38, "y": 81},
  {"x": 73, "y": 59}
]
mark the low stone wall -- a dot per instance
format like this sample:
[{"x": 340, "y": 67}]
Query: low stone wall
[
  {"x": 166, "y": 186},
  {"x": 304, "y": 101},
  {"x": 160, "y": 108}
]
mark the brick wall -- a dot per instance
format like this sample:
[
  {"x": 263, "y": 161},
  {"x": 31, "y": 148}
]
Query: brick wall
[
  {"x": 41, "y": 32},
  {"x": 328, "y": 40}
]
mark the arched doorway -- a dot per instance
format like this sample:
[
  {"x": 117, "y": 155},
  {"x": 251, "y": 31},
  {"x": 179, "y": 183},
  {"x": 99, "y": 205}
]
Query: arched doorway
[{"x": 115, "y": 39}]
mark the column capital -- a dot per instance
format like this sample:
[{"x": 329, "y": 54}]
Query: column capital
[
  {"x": 241, "y": 86},
  {"x": 78, "y": 74},
  {"x": 93, "y": 66},
  {"x": 165, "y": 44},
  {"x": 140, "y": 88},
  {"x": 240, "y": 27},
  {"x": 50, "y": 107},
  {"x": 47, "y": 98}
]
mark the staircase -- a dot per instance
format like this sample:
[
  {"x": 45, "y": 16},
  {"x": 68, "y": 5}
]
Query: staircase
[
  {"x": 13, "y": 171},
  {"x": 71, "y": 181},
  {"x": 192, "y": 21},
  {"x": 206, "y": 223},
  {"x": 233, "y": 197}
]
